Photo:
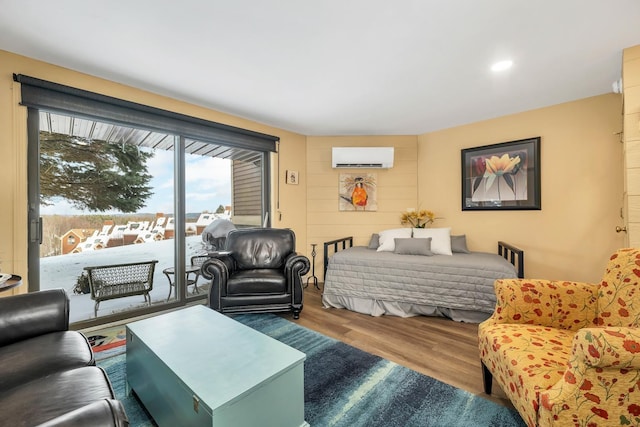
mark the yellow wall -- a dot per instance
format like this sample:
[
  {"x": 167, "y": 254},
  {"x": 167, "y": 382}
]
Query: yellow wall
[
  {"x": 631, "y": 83},
  {"x": 570, "y": 238},
  {"x": 13, "y": 143},
  {"x": 573, "y": 235}
]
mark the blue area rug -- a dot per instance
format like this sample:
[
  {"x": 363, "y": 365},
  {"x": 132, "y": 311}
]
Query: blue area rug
[{"x": 345, "y": 386}]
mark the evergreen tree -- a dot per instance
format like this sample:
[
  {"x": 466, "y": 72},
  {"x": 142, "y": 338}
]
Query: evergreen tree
[
  {"x": 220, "y": 209},
  {"x": 93, "y": 174}
]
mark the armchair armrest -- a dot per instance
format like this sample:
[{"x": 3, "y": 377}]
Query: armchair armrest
[
  {"x": 29, "y": 315},
  {"x": 296, "y": 266},
  {"x": 209, "y": 268},
  {"x": 610, "y": 347},
  {"x": 556, "y": 304},
  {"x": 601, "y": 380}
]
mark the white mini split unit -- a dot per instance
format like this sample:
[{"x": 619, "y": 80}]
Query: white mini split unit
[{"x": 362, "y": 157}]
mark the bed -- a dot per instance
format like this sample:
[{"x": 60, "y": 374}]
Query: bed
[{"x": 457, "y": 286}]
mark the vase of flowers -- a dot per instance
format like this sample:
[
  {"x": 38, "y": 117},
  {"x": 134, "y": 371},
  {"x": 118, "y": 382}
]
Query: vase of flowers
[{"x": 418, "y": 219}]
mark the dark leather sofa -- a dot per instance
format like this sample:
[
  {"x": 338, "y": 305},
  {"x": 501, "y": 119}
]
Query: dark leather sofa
[
  {"x": 47, "y": 372},
  {"x": 258, "y": 271}
]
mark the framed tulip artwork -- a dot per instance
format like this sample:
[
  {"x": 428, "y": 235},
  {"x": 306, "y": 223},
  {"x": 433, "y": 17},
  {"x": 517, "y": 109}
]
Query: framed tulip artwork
[
  {"x": 358, "y": 192},
  {"x": 503, "y": 176}
]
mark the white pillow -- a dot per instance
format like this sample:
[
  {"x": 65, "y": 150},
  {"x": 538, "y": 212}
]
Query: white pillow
[
  {"x": 440, "y": 239},
  {"x": 386, "y": 238}
]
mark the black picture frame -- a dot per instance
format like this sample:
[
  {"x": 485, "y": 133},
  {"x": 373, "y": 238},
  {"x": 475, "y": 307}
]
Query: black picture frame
[{"x": 491, "y": 181}]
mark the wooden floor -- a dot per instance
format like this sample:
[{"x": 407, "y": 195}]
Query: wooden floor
[{"x": 437, "y": 347}]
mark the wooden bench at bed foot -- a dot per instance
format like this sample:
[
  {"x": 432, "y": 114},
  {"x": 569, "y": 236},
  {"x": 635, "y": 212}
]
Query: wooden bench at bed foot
[{"x": 120, "y": 280}]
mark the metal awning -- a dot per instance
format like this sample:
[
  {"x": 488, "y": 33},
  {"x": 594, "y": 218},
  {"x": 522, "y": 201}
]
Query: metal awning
[{"x": 91, "y": 129}]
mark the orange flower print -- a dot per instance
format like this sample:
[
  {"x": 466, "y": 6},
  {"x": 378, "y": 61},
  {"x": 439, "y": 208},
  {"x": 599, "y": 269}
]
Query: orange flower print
[
  {"x": 586, "y": 385},
  {"x": 592, "y": 397},
  {"x": 615, "y": 334},
  {"x": 631, "y": 346},
  {"x": 623, "y": 312},
  {"x": 601, "y": 413},
  {"x": 593, "y": 352},
  {"x": 634, "y": 409},
  {"x": 569, "y": 377},
  {"x": 545, "y": 401}
]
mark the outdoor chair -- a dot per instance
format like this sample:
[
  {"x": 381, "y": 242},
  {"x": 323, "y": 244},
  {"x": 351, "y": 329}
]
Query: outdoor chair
[{"x": 259, "y": 271}]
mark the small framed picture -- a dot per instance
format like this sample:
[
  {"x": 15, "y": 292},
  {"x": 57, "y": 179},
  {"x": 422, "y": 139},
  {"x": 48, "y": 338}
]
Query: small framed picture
[{"x": 292, "y": 177}]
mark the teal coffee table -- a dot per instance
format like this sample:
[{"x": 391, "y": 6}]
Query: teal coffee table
[{"x": 197, "y": 367}]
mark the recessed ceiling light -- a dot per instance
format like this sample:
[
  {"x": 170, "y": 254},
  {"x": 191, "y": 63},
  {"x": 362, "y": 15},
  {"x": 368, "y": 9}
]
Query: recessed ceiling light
[{"x": 502, "y": 65}]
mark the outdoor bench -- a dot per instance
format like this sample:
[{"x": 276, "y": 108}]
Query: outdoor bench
[{"x": 120, "y": 280}]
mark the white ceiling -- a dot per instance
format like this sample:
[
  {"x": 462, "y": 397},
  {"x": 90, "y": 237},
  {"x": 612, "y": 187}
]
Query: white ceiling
[{"x": 337, "y": 67}]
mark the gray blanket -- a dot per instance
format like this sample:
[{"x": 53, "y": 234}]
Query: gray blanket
[{"x": 459, "y": 282}]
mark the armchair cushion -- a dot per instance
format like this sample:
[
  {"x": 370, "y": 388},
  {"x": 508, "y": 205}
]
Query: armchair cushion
[
  {"x": 264, "y": 248},
  {"x": 257, "y": 280},
  {"x": 564, "y": 305}
]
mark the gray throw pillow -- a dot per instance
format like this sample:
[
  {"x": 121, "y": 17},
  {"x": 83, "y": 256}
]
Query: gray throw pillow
[
  {"x": 459, "y": 244},
  {"x": 411, "y": 246},
  {"x": 375, "y": 241}
]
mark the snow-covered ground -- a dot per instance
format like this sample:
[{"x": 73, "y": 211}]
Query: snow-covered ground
[{"x": 63, "y": 271}]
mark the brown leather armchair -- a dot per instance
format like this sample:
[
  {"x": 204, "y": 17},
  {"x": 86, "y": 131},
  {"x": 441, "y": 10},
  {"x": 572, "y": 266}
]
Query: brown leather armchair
[{"x": 259, "y": 271}]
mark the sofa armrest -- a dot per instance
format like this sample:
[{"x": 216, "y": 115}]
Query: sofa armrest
[
  {"x": 556, "y": 304},
  {"x": 29, "y": 315},
  {"x": 103, "y": 413},
  {"x": 600, "y": 382}
]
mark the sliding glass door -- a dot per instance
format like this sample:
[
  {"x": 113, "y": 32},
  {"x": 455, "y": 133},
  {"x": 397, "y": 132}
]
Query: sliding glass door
[{"x": 109, "y": 195}]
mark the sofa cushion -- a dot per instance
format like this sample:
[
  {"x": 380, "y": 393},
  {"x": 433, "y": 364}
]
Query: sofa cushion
[
  {"x": 46, "y": 398},
  {"x": 528, "y": 358},
  {"x": 102, "y": 413},
  {"x": 36, "y": 357}
]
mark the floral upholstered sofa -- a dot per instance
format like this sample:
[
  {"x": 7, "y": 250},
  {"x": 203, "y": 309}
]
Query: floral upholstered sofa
[{"x": 567, "y": 353}]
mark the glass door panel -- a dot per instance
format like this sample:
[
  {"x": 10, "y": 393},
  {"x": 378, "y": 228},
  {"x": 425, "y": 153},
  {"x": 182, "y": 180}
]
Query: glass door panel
[
  {"x": 106, "y": 198},
  {"x": 208, "y": 212}
]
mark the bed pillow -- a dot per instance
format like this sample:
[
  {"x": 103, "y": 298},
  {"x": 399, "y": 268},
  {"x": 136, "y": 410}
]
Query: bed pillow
[
  {"x": 440, "y": 239},
  {"x": 375, "y": 241},
  {"x": 459, "y": 244},
  {"x": 411, "y": 246},
  {"x": 386, "y": 238}
]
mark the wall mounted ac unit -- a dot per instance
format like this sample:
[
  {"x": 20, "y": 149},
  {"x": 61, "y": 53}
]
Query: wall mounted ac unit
[{"x": 362, "y": 157}]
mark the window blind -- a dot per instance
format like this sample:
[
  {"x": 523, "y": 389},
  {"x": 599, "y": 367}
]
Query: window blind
[{"x": 45, "y": 95}]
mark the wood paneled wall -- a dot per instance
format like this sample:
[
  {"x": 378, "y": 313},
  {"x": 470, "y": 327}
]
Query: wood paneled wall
[
  {"x": 631, "y": 84},
  {"x": 397, "y": 190}
]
